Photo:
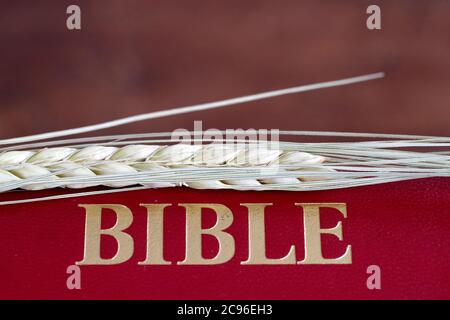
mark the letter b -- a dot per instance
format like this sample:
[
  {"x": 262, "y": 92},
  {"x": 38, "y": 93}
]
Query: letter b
[
  {"x": 94, "y": 232},
  {"x": 194, "y": 232}
]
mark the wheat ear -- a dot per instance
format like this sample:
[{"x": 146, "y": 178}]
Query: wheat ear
[
  {"x": 85, "y": 162},
  {"x": 142, "y": 164}
]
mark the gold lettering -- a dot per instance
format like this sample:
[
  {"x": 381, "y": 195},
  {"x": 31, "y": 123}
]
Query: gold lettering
[
  {"x": 313, "y": 245},
  {"x": 93, "y": 234},
  {"x": 194, "y": 234},
  {"x": 155, "y": 234},
  {"x": 257, "y": 237}
]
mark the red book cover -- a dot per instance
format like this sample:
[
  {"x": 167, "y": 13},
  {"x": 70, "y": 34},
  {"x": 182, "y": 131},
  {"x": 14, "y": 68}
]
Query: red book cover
[
  {"x": 362, "y": 86},
  {"x": 389, "y": 242}
]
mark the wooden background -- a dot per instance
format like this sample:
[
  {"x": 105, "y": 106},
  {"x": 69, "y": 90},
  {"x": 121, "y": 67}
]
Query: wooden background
[{"x": 139, "y": 56}]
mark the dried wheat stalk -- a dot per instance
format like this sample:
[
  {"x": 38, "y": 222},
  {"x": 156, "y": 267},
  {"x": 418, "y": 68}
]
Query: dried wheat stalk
[
  {"x": 125, "y": 161},
  {"x": 137, "y": 164}
]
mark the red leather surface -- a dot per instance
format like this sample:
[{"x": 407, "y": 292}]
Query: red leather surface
[{"x": 402, "y": 227}]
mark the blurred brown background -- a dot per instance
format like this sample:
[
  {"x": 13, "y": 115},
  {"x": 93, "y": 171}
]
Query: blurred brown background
[{"x": 139, "y": 56}]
